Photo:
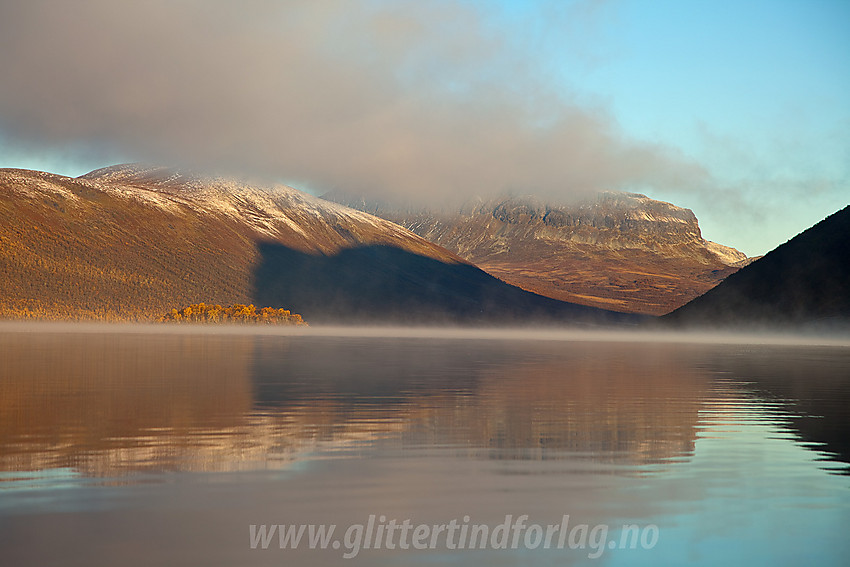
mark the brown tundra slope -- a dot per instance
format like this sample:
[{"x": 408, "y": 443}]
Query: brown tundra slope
[
  {"x": 621, "y": 251},
  {"x": 131, "y": 242}
]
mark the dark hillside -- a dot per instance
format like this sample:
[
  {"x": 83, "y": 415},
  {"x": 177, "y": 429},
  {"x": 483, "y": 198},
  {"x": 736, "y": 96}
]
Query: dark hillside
[{"x": 805, "y": 281}]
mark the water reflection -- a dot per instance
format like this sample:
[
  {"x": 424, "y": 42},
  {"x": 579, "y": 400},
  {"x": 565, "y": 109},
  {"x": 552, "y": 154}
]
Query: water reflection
[
  {"x": 102, "y": 404},
  {"x": 141, "y": 449},
  {"x": 807, "y": 388},
  {"x": 106, "y": 405}
]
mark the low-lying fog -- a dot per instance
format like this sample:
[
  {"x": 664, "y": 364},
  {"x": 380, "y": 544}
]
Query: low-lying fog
[{"x": 711, "y": 336}]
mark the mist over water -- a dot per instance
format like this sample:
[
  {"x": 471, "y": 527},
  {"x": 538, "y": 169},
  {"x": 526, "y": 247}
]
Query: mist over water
[
  {"x": 173, "y": 440},
  {"x": 543, "y": 332}
]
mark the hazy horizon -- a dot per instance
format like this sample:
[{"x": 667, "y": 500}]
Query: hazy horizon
[{"x": 690, "y": 335}]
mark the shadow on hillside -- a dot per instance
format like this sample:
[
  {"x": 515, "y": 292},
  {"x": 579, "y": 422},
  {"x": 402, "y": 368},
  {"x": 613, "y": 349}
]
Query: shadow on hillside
[{"x": 386, "y": 284}]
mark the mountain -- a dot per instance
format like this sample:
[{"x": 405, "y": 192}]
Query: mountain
[
  {"x": 132, "y": 242},
  {"x": 805, "y": 281},
  {"x": 621, "y": 251}
]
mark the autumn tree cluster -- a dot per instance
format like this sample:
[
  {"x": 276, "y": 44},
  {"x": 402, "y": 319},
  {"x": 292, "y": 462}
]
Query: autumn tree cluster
[{"x": 202, "y": 313}]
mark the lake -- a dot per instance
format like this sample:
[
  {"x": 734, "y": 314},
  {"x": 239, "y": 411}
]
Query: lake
[{"x": 198, "y": 446}]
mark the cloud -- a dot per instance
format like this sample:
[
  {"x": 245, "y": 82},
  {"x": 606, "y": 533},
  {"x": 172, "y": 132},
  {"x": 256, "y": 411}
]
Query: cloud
[{"x": 419, "y": 99}]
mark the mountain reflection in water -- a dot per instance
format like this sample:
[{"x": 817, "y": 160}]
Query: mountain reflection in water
[
  {"x": 108, "y": 405},
  {"x": 162, "y": 447}
]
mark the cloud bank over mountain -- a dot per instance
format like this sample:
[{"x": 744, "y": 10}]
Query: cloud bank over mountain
[{"x": 418, "y": 100}]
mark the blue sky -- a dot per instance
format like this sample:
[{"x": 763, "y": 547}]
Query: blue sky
[
  {"x": 738, "y": 110},
  {"x": 758, "y": 92}
]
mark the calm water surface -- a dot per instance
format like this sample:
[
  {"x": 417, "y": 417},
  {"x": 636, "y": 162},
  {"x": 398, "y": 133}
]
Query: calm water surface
[{"x": 163, "y": 449}]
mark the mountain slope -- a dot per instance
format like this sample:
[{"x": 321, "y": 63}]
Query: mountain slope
[
  {"x": 131, "y": 242},
  {"x": 622, "y": 251},
  {"x": 278, "y": 213},
  {"x": 804, "y": 281}
]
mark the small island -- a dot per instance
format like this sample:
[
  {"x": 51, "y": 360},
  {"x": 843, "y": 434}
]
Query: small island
[{"x": 216, "y": 314}]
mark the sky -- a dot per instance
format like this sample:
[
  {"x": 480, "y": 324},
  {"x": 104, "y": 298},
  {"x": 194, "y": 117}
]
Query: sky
[{"x": 738, "y": 110}]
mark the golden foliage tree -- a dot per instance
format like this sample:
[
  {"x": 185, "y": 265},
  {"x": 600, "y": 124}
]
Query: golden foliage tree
[{"x": 239, "y": 313}]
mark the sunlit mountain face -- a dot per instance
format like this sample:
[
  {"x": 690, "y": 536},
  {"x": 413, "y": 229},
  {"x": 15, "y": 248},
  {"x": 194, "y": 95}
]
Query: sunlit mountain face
[
  {"x": 620, "y": 251},
  {"x": 133, "y": 242}
]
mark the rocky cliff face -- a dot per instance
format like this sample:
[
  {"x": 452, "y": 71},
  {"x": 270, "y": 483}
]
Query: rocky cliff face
[{"x": 622, "y": 251}]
